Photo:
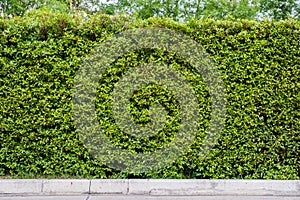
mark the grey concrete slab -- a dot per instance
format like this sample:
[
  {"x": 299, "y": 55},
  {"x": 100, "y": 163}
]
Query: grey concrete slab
[
  {"x": 257, "y": 187},
  {"x": 66, "y": 186},
  {"x": 44, "y": 198},
  {"x": 152, "y": 187},
  {"x": 213, "y": 187},
  {"x": 109, "y": 186},
  {"x": 143, "y": 197},
  {"x": 25, "y": 186},
  {"x": 170, "y": 187}
]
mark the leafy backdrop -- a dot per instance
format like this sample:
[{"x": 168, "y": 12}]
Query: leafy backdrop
[{"x": 259, "y": 63}]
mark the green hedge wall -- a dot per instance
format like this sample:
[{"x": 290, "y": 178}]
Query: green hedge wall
[{"x": 259, "y": 63}]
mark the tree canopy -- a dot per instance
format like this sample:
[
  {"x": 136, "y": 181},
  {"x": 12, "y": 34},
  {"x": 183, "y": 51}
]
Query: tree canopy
[{"x": 176, "y": 9}]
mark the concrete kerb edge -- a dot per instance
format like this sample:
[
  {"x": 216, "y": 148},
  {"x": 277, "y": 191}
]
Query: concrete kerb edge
[{"x": 152, "y": 187}]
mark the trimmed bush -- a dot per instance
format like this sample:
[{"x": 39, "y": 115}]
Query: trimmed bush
[{"x": 259, "y": 63}]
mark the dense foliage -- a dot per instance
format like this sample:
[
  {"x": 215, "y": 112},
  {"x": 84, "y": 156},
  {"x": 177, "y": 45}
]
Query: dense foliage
[
  {"x": 259, "y": 63},
  {"x": 175, "y": 9}
]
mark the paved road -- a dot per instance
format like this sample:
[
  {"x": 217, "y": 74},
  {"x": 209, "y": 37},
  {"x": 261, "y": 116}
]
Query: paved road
[{"x": 141, "y": 197}]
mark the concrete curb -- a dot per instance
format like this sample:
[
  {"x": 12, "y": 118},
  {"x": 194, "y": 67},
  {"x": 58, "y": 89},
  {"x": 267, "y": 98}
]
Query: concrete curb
[{"x": 151, "y": 187}]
